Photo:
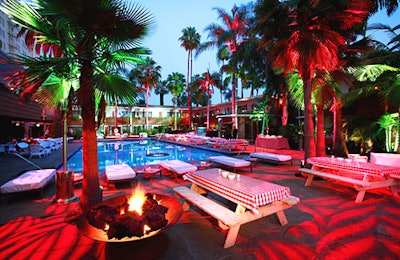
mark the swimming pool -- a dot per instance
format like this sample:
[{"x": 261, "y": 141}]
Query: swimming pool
[{"x": 140, "y": 152}]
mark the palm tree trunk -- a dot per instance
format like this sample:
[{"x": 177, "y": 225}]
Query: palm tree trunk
[
  {"x": 233, "y": 102},
  {"x": 285, "y": 111},
  {"x": 396, "y": 140},
  {"x": 147, "y": 106},
  {"x": 208, "y": 109},
  {"x": 175, "y": 114},
  {"x": 161, "y": 99},
  {"x": 90, "y": 185},
  {"x": 320, "y": 131},
  {"x": 339, "y": 146},
  {"x": 309, "y": 141},
  {"x": 188, "y": 90},
  {"x": 115, "y": 115}
]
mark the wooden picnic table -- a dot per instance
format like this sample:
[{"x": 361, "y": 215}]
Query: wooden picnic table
[
  {"x": 254, "y": 199},
  {"x": 362, "y": 176}
]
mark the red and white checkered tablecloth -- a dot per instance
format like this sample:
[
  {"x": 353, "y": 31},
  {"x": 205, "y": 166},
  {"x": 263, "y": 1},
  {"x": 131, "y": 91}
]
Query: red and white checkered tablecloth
[
  {"x": 248, "y": 192},
  {"x": 354, "y": 166}
]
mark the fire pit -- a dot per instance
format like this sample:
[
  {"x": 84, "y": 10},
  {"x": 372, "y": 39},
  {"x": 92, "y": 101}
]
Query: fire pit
[{"x": 102, "y": 222}]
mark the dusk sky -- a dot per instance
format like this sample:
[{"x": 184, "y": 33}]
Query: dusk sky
[{"x": 173, "y": 16}]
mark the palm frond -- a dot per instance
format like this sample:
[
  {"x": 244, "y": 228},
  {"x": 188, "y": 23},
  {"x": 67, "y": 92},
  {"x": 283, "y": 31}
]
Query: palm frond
[
  {"x": 370, "y": 72},
  {"x": 115, "y": 86}
]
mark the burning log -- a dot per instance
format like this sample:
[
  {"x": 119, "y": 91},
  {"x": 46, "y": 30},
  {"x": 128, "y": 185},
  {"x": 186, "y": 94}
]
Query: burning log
[{"x": 121, "y": 220}]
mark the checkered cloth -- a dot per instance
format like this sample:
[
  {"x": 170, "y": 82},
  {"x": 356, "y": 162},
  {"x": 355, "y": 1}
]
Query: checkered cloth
[
  {"x": 341, "y": 164},
  {"x": 248, "y": 192}
]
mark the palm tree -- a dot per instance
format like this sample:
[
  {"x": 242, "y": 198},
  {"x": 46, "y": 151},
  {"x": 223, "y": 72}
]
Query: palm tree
[
  {"x": 199, "y": 98},
  {"x": 146, "y": 75},
  {"x": 161, "y": 90},
  {"x": 83, "y": 30},
  {"x": 206, "y": 84},
  {"x": 228, "y": 36},
  {"x": 175, "y": 84},
  {"x": 190, "y": 41},
  {"x": 306, "y": 38},
  {"x": 261, "y": 111}
]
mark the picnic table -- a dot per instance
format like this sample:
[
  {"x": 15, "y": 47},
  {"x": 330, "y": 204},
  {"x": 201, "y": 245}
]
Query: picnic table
[
  {"x": 254, "y": 199},
  {"x": 362, "y": 176}
]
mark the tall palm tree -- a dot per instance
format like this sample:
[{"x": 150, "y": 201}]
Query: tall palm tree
[
  {"x": 206, "y": 84},
  {"x": 190, "y": 40},
  {"x": 146, "y": 75},
  {"x": 228, "y": 36},
  {"x": 83, "y": 30},
  {"x": 306, "y": 38},
  {"x": 175, "y": 84}
]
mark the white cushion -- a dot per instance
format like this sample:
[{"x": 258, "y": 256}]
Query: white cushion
[
  {"x": 178, "y": 166},
  {"x": 119, "y": 172},
  {"x": 30, "y": 180},
  {"x": 229, "y": 161},
  {"x": 271, "y": 156}
]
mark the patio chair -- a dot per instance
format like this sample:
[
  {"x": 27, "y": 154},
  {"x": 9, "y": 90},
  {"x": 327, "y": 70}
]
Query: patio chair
[
  {"x": 37, "y": 150},
  {"x": 47, "y": 145},
  {"x": 22, "y": 148}
]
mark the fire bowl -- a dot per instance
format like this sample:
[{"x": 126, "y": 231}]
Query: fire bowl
[{"x": 173, "y": 215}]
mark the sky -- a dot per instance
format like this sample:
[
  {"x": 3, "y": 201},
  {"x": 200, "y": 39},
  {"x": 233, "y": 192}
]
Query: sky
[{"x": 171, "y": 17}]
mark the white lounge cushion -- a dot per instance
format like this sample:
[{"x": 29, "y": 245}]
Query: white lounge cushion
[
  {"x": 178, "y": 166},
  {"x": 119, "y": 172},
  {"x": 30, "y": 180},
  {"x": 271, "y": 156},
  {"x": 229, "y": 161}
]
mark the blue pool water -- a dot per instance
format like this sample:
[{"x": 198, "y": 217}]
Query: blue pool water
[{"x": 140, "y": 152}]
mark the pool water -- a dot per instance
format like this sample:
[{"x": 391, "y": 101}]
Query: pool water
[{"x": 140, "y": 152}]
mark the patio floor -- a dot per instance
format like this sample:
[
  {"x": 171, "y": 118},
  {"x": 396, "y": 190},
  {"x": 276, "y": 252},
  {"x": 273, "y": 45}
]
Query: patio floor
[{"x": 326, "y": 224}]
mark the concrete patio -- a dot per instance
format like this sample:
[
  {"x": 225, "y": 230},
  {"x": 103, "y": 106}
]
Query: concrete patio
[{"x": 326, "y": 224}]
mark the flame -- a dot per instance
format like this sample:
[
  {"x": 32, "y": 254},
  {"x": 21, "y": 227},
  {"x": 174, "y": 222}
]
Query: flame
[
  {"x": 137, "y": 200},
  {"x": 107, "y": 227},
  {"x": 146, "y": 229}
]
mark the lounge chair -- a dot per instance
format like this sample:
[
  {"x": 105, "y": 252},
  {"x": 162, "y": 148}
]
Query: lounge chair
[
  {"x": 231, "y": 162},
  {"x": 235, "y": 144},
  {"x": 34, "y": 180},
  {"x": 177, "y": 167},
  {"x": 119, "y": 173},
  {"x": 272, "y": 157}
]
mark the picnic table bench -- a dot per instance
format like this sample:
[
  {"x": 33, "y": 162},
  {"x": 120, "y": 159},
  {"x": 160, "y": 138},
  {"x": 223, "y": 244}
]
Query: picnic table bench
[
  {"x": 254, "y": 199},
  {"x": 362, "y": 176}
]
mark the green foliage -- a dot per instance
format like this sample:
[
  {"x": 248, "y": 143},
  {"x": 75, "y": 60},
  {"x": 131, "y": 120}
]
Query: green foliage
[
  {"x": 261, "y": 112},
  {"x": 390, "y": 123}
]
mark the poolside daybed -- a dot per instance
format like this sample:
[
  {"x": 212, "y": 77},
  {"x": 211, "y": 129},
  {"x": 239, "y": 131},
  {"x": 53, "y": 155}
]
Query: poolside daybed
[
  {"x": 230, "y": 162},
  {"x": 119, "y": 173},
  {"x": 271, "y": 157},
  {"x": 34, "y": 180},
  {"x": 177, "y": 167}
]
